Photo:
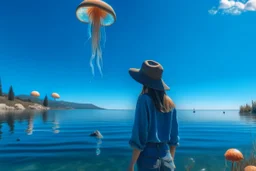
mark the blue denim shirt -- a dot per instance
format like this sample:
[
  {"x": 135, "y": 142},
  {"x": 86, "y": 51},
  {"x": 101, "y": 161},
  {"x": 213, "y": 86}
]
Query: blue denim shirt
[{"x": 151, "y": 125}]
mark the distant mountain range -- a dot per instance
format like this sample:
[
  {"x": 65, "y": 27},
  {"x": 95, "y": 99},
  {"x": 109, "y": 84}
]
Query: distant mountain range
[{"x": 58, "y": 104}]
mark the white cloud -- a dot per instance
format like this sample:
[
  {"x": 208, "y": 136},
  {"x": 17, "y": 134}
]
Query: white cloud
[
  {"x": 233, "y": 7},
  {"x": 251, "y": 5}
]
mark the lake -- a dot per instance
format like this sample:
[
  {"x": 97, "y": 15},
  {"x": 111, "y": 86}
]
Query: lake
[{"x": 59, "y": 140}]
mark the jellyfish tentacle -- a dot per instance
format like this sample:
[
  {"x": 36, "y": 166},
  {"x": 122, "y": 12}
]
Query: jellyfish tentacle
[
  {"x": 89, "y": 33},
  {"x": 103, "y": 31},
  {"x": 90, "y": 30},
  {"x": 96, "y": 15},
  {"x": 99, "y": 59},
  {"x": 91, "y": 62}
]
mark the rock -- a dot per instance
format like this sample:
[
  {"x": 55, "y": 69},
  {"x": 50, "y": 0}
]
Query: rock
[
  {"x": 19, "y": 106},
  {"x": 37, "y": 107},
  {"x": 5, "y": 107},
  {"x": 96, "y": 134}
]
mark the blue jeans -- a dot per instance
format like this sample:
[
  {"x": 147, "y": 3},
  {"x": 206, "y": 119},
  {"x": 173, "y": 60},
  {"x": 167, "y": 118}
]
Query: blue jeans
[{"x": 155, "y": 157}]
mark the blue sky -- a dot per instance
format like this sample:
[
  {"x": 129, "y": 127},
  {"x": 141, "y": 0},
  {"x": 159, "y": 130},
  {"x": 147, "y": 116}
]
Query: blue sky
[{"x": 209, "y": 60}]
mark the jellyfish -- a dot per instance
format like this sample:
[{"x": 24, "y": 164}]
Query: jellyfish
[
  {"x": 190, "y": 165},
  {"x": 250, "y": 168},
  {"x": 55, "y": 96},
  {"x": 233, "y": 155},
  {"x": 35, "y": 94},
  {"x": 97, "y": 14}
]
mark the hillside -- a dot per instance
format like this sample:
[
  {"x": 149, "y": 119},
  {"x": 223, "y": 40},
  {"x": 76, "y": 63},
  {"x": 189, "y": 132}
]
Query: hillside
[
  {"x": 57, "y": 104},
  {"x": 4, "y": 100}
]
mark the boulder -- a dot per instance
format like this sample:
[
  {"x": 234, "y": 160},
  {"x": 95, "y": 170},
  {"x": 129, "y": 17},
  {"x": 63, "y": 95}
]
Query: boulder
[
  {"x": 37, "y": 107},
  {"x": 19, "y": 106},
  {"x": 96, "y": 134},
  {"x": 5, "y": 107}
]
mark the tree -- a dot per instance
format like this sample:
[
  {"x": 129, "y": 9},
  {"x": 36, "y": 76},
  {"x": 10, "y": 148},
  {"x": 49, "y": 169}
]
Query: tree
[
  {"x": 11, "y": 94},
  {"x": 1, "y": 91},
  {"x": 45, "y": 103}
]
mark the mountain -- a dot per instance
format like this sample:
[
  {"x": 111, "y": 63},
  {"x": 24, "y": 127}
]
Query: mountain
[{"x": 58, "y": 104}]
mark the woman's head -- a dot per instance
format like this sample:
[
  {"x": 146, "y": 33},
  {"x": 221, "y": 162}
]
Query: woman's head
[
  {"x": 150, "y": 75},
  {"x": 161, "y": 100}
]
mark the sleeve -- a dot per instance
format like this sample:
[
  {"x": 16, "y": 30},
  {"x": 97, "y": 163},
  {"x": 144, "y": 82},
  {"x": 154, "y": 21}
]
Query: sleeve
[
  {"x": 139, "y": 135},
  {"x": 174, "y": 136}
]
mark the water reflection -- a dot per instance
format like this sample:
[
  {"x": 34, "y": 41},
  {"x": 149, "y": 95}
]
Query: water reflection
[
  {"x": 45, "y": 116},
  {"x": 10, "y": 118},
  {"x": 55, "y": 127},
  {"x": 10, "y": 122},
  {"x": 248, "y": 117},
  {"x": 30, "y": 124},
  {"x": 1, "y": 130},
  {"x": 98, "y": 144}
]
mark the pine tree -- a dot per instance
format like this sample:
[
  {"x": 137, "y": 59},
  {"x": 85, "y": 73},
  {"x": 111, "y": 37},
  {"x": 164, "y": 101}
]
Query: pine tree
[
  {"x": 45, "y": 103},
  {"x": 11, "y": 94},
  {"x": 1, "y": 91}
]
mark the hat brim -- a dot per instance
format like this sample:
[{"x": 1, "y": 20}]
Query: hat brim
[{"x": 141, "y": 78}]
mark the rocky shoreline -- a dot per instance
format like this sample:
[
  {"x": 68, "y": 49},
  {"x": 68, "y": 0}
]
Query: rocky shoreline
[{"x": 20, "y": 107}]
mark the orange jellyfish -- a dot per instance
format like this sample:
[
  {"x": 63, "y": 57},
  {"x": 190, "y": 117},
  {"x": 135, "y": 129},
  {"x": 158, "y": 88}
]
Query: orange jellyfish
[
  {"x": 35, "y": 94},
  {"x": 97, "y": 14},
  {"x": 55, "y": 96},
  {"x": 250, "y": 168},
  {"x": 233, "y": 155}
]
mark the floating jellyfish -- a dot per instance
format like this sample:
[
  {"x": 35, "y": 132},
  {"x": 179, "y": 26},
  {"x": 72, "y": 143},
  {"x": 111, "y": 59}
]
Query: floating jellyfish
[
  {"x": 190, "y": 165},
  {"x": 35, "y": 94},
  {"x": 97, "y": 14},
  {"x": 55, "y": 96},
  {"x": 233, "y": 155},
  {"x": 250, "y": 168}
]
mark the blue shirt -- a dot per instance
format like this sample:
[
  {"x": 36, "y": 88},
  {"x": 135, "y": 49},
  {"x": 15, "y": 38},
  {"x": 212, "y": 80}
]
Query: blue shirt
[{"x": 151, "y": 125}]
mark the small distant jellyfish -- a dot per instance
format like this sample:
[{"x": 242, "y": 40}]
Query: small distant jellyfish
[
  {"x": 97, "y": 14},
  {"x": 190, "y": 165},
  {"x": 55, "y": 96}
]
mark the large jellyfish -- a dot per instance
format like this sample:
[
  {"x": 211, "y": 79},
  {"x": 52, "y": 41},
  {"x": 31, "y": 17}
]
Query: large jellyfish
[{"x": 97, "y": 14}]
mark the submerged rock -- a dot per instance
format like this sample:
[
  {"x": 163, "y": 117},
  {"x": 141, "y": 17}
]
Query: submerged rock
[
  {"x": 96, "y": 134},
  {"x": 38, "y": 107}
]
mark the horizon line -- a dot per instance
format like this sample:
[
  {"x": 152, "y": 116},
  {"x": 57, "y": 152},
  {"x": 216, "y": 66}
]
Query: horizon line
[{"x": 180, "y": 109}]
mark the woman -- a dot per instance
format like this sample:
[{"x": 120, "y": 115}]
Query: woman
[{"x": 155, "y": 130}]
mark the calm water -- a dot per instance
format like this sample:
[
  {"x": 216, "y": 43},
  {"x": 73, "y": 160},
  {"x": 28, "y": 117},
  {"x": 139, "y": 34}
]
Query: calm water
[{"x": 58, "y": 140}]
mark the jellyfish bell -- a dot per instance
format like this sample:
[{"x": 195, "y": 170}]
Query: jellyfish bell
[
  {"x": 35, "y": 94},
  {"x": 97, "y": 14},
  {"x": 250, "y": 168},
  {"x": 55, "y": 96},
  {"x": 234, "y": 155}
]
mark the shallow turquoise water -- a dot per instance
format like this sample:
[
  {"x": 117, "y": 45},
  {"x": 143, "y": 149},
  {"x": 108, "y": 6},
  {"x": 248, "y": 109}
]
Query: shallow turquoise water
[{"x": 60, "y": 141}]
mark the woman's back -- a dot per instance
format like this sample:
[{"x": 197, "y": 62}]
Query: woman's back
[
  {"x": 155, "y": 129},
  {"x": 152, "y": 125}
]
